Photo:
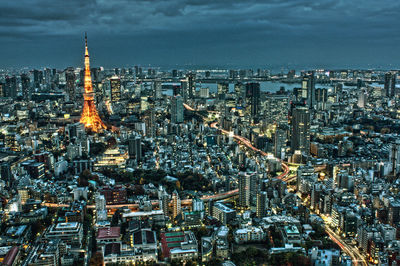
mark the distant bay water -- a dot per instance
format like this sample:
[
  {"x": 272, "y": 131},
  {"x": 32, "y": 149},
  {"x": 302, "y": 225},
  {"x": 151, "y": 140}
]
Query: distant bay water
[{"x": 266, "y": 86}]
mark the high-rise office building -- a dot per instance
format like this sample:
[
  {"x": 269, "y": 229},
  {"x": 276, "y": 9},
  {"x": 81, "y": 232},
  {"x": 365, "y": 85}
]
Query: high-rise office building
[
  {"x": 5, "y": 173},
  {"x": 70, "y": 83},
  {"x": 157, "y": 89},
  {"x": 25, "y": 85},
  {"x": 11, "y": 87},
  {"x": 253, "y": 93},
  {"x": 115, "y": 85},
  {"x": 362, "y": 99},
  {"x": 308, "y": 89},
  {"x": 244, "y": 190},
  {"x": 95, "y": 72},
  {"x": 222, "y": 88},
  {"x": 177, "y": 109},
  {"x": 390, "y": 84},
  {"x": 135, "y": 148},
  {"x": 394, "y": 212},
  {"x": 2, "y": 89},
  {"x": 394, "y": 157},
  {"x": 279, "y": 142},
  {"x": 150, "y": 122},
  {"x": 300, "y": 139},
  {"x": 191, "y": 78},
  {"x": 204, "y": 92},
  {"x": 240, "y": 90},
  {"x": 321, "y": 97},
  {"x": 48, "y": 75},
  {"x": 37, "y": 78},
  {"x": 188, "y": 86}
]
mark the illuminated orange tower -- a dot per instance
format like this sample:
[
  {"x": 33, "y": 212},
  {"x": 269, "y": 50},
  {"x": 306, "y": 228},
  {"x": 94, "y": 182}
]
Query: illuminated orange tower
[{"x": 90, "y": 118}]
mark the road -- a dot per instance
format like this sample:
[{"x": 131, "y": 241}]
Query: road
[
  {"x": 353, "y": 252},
  {"x": 248, "y": 144},
  {"x": 184, "y": 202}
]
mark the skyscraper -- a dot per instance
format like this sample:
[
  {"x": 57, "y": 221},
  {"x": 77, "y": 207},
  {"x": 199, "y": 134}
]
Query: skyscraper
[
  {"x": 188, "y": 86},
  {"x": 115, "y": 85},
  {"x": 135, "y": 148},
  {"x": 191, "y": 78},
  {"x": 25, "y": 84},
  {"x": 70, "y": 83},
  {"x": 37, "y": 78},
  {"x": 11, "y": 87},
  {"x": 157, "y": 89},
  {"x": 5, "y": 173},
  {"x": 239, "y": 90},
  {"x": 390, "y": 84},
  {"x": 222, "y": 88},
  {"x": 279, "y": 141},
  {"x": 321, "y": 97},
  {"x": 2, "y": 89},
  {"x": 300, "y": 139},
  {"x": 177, "y": 109},
  {"x": 244, "y": 190},
  {"x": 362, "y": 99},
  {"x": 308, "y": 89},
  {"x": 150, "y": 121},
  {"x": 253, "y": 92}
]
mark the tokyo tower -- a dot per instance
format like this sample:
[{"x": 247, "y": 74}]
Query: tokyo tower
[{"x": 90, "y": 118}]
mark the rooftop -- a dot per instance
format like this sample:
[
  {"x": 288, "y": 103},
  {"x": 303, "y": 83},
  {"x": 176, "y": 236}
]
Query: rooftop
[{"x": 108, "y": 232}]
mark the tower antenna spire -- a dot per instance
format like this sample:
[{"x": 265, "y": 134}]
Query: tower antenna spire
[{"x": 90, "y": 117}]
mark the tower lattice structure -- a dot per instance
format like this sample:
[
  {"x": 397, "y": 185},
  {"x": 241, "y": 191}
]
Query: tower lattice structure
[{"x": 90, "y": 117}]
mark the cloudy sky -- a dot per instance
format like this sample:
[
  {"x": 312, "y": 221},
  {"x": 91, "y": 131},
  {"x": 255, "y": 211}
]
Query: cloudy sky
[{"x": 185, "y": 33}]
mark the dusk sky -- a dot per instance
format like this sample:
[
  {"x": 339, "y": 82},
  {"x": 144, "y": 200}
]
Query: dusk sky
[{"x": 184, "y": 33}]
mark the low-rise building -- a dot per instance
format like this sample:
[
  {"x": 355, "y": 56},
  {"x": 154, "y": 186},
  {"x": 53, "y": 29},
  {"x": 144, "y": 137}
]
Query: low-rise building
[
  {"x": 223, "y": 213},
  {"x": 290, "y": 234},
  {"x": 69, "y": 233},
  {"x": 249, "y": 234},
  {"x": 180, "y": 246},
  {"x": 108, "y": 235}
]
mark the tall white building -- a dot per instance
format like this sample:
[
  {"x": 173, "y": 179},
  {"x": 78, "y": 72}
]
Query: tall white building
[
  {"x": 177, "y": 207},
  {"x": 101, "y": 211}
]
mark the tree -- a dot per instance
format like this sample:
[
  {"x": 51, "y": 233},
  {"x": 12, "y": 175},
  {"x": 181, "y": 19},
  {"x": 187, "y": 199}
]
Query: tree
[
  {"x": 97, "y": 148},
  {"x": 115, "y": 218},
  {"x": 178, "y": 185},
  {"x": 36, "y": 228},
  {"x": 138, "y": 190},
  {"x": 96, "y": 259},
  {"x": 202, "y": 231}
]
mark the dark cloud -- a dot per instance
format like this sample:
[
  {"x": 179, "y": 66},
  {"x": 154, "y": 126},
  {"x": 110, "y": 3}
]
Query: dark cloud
[{"x": 215, "y": 32}]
